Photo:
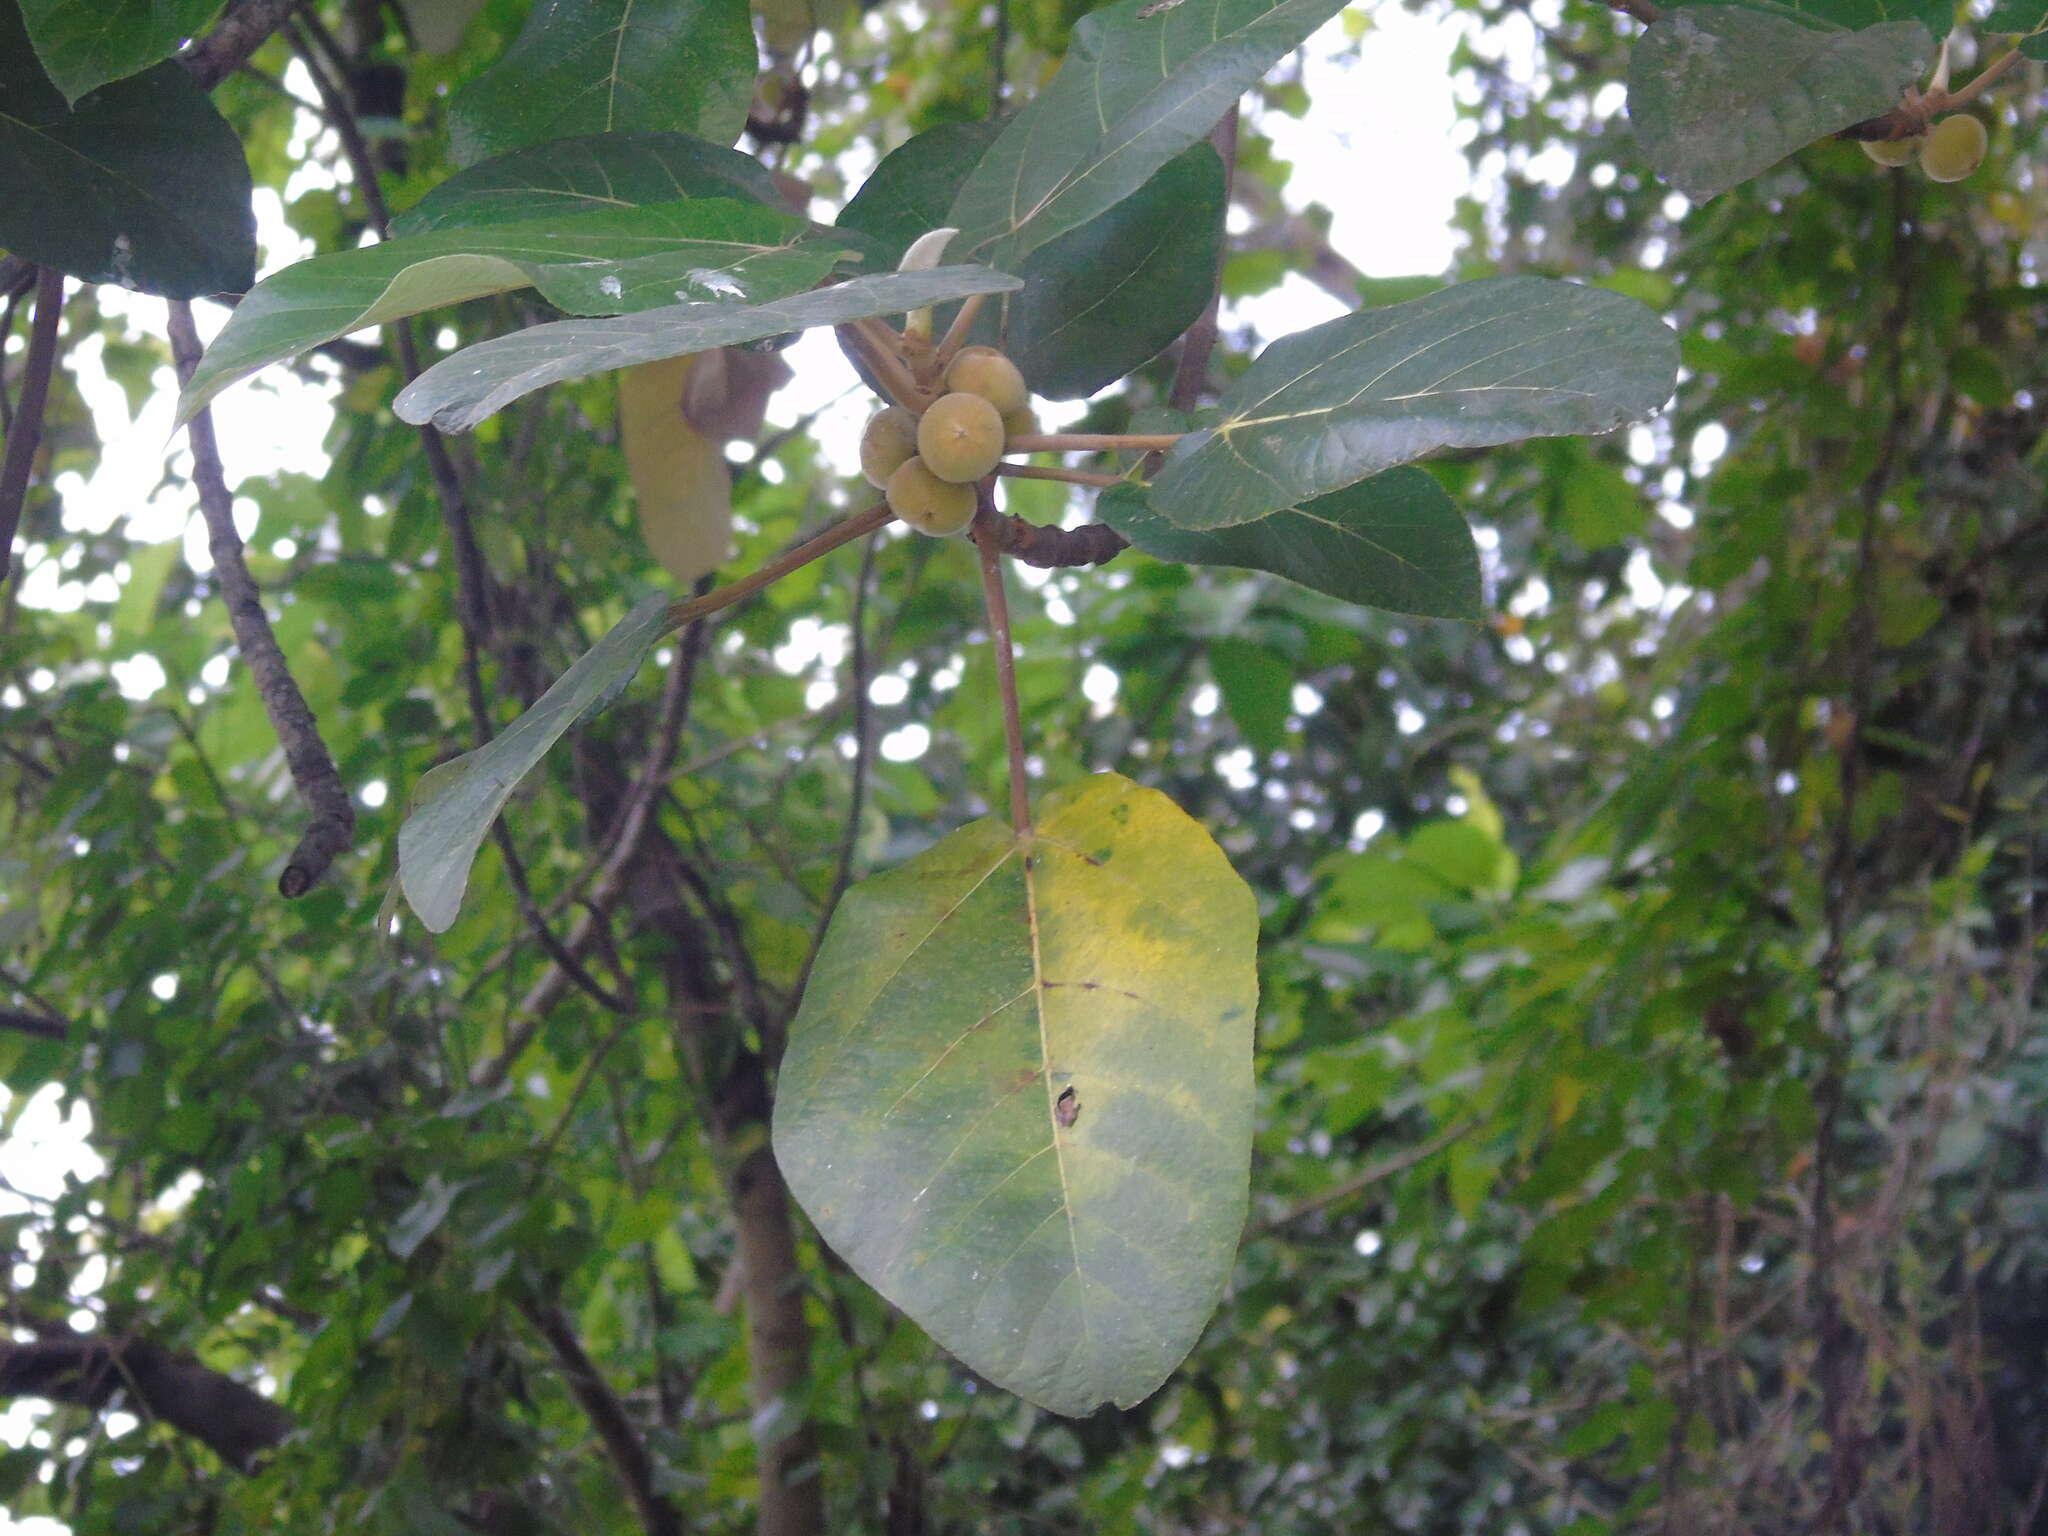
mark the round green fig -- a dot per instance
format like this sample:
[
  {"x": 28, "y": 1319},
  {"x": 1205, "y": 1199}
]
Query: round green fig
[
  {"x": 890, "y": 438},
  {"x": 927, "y": 503},
  {"x": 986, "y": 372},
  {"x": 960, "y": 437}
]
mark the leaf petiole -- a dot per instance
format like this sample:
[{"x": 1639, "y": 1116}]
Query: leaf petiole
[
  {"x": 988, "y": 539},
  {"x": 811, "y": 549},
  {"x": 1091, "y": 442},
  {"x": 1070, "y": 476}
]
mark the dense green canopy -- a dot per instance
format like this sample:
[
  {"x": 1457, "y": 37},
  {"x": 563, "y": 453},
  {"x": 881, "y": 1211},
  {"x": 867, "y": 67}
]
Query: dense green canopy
[{"x": 1621, "y": 705}]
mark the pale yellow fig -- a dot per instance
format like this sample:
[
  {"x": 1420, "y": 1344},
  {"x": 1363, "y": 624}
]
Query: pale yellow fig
[
  {"x": 1020, "y": 423},
  {"x": 890, "y": 438},
  {"x": 986, "y": 372},
  {"x": 1953, "y": 148},
  {"x": 960, "y": 437},
  {"x": 1891, "y": 152},
  {"x": 927, "y": 503}
]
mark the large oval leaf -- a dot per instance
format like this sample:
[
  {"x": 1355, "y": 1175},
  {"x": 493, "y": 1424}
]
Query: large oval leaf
[
  {"x": 1018, "y": 1096},
  {"x": 1394, "y": 541},
  {"x": 438, "y": 843},
  {"x": 606, "y": 263},
  {"x": 1938, "y": 16},
  {"x": 1717, "y": 93},
  {"x": 610, "y": 66},
  {"x": 1466, "y": 367},
  {"x": 587, "y": 173},
  {"x": 1102, "y": 299},
  {"x": 460, "y": 391},
  {"x": 84, "y": 46},
  {"x": 1096, "y": 302},
  {"x": 1141, "y": 82},
  {"x": 143, "y": 185},
  {"x": 909, "y": 192}
]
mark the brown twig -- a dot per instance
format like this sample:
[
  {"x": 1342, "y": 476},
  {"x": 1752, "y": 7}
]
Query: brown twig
[
  {"x": 958, "y": 332},
  {"x": 824, "y": 543},
  {"x": 1058, "y": 548},
  {"x": 32, "y": 1024},
  {"x": 988, "y": 542},
  {"x": 1919, "y": 108},
  {"x": 885, "y": 362},
  {"x": 312, "y": 765},
  {"x": 472, "y": 579},
  {"x": 1373, "y": 1173},
  {"x": 607, "y": 1415},
  {"x": 856, "y": 800},
  {"x": 25, "y": 431},
  {"x": 1643, "y": 10},
  {"x": 231, "y": 44},
  {"x": 1065, "y": 476},
  {"x": 629, "y": 824},
  {"x": 610, "y": 885}
]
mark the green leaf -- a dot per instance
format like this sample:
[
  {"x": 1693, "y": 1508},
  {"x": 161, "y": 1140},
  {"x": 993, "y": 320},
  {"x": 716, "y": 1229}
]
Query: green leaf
[
  {"x": 1103, "y": 299},
  {"x": 611, "y": 66},
  {"x": 612, "y": 262},
  {"x": 1099, "y": 300},
  {"x": 1593, "y": 501},
  {"x": 143, "y": 185},
  {"x": 585, "y": 174},
  {"x": 2028, "y": 18},
  {"x": 1394, "y": 541},
  {"x": 439, "y": 840},
  {"x": 1469, "y": 366},
  {"x": 417, "y": 1222},
  {"x": 911, "y": 190},
  {"x": 1135, "y": 91},
  {"x": 1848, "y": 15},
  {"x": 438, "y": 25},
  {"x": 460, "y": 391},
  {"x": 1718, "y": 93},
  {"x": 919, "y": 1117},
  {"x": 1257, "y": 688},
  {"x": 84, "y": 46}
]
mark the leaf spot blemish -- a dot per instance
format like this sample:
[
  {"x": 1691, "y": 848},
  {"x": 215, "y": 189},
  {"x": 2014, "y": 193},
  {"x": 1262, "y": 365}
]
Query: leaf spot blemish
[{"x": 1066, "y": 1109}]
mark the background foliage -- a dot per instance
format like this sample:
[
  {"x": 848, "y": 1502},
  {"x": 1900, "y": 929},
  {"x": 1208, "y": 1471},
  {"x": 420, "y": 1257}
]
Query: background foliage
[{"x": 1653, "y": 1107}]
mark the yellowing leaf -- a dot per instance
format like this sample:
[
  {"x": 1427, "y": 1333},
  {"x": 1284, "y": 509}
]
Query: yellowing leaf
[
  {"x": 1018, "y": 1097},
  {"x": 679, "y": 476}
]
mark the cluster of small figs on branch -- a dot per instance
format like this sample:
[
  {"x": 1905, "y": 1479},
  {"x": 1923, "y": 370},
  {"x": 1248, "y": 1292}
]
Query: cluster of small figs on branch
[
  {"x": 954, "y": 412},
  {"x": 1949, "y": 151},
  {"x": 927, "y": 462}
]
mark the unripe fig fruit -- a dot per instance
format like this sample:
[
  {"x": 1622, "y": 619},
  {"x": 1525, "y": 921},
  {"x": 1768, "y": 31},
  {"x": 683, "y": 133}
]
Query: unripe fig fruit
[
  {"x": 986, "y": 372},
  {"x": 1892, "y": 152},
  {"x": 1019, "y": 423},
  {"x": 890, "y": 438},
  {"x": 1953, "y": 148},
  {"x": 960, "y": 437},
  {"x": 927, "y": 503}
]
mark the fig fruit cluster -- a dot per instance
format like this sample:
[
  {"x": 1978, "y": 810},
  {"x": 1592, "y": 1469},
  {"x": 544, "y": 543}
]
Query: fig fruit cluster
[
  {"x": 1949, "y": 151},
  {"x": 927, "y": 463}
]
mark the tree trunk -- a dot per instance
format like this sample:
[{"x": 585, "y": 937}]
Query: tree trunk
[
  {"x": 770, "y": 1284},
  {"x": 778, "y": 1348}
]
